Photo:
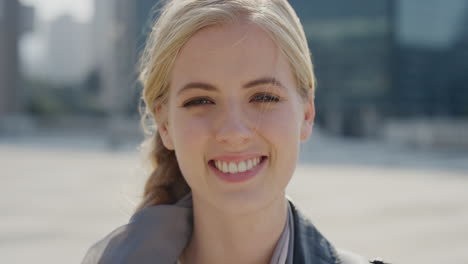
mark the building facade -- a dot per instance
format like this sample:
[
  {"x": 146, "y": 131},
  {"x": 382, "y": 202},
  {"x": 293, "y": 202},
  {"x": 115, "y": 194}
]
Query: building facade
[
  {"x": 9, "y": 72},
  {"x": 15, "y": 20},
  {"x": 68, "y": 50},
  {"x": 120, "y": 29}
]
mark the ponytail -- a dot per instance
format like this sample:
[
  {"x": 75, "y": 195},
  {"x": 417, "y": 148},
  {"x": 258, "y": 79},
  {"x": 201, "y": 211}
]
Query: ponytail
[{"x": 165, "y": 184}]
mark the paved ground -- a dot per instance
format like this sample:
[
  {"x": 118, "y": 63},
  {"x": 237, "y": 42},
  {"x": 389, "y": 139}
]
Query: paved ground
[{"x": 59, "y": 194}]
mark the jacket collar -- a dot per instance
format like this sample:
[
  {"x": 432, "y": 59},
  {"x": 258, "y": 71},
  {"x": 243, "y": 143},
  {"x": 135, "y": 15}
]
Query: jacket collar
[
  {"x": 310, "y": 246},
  {"x": 161, "y": 232}
]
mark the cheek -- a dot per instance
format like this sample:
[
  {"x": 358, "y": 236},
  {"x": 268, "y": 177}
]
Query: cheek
[
  {"x": 188, "y": 130},
  {"x": 189, "y": 134},
  {"x": 282, "y": 128},
  {"x": 189, "y": 137},
  {"x": 281, "y": 124}
]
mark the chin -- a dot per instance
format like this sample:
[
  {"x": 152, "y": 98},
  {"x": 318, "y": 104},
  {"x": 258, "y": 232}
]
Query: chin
[{"x": 245, "y": 202}]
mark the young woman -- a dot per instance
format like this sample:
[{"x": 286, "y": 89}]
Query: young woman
[{"x": 230, "y": 86}]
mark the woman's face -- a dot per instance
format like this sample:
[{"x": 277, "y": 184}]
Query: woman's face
[{"x": 233, "y": 101}]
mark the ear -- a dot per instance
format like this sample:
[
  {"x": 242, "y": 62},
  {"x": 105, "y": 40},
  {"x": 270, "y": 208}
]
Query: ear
[
  {"x": 309, "y": 117},
  {"x": 161, "y": 115}
]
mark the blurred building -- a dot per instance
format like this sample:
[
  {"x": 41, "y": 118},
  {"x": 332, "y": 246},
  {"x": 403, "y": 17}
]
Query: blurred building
[
  {"x": 383, "y": 60},
  {"x": 120, "y": 29},
  {"x": 352, "y": 48},
  {"x": 15, "y": 19},
  {"x": 69, "y": 53},
  {"x": 106, "y": 33},
  {"x": 375, "y": 60},
  {"x": 431, "y": 77}
]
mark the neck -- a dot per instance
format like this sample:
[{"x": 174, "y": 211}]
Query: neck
[{"x": 221, "y": 238}]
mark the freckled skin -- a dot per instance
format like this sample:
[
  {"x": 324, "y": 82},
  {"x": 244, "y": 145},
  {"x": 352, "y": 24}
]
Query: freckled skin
[{"x": 230, "y": 121}]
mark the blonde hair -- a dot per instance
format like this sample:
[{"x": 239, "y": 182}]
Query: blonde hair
[{"x": 177, "y": 22}]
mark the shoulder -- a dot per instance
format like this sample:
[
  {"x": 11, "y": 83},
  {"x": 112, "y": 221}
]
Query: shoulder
[
  {"x": 310, "y": 244},
  {"x": 100, "y": 251},
  {"x": 349, "y": 257},
  {"x": 157, "y": 232}
]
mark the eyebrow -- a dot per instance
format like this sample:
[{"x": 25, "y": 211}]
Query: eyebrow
[{"x": 209, "y": 87}]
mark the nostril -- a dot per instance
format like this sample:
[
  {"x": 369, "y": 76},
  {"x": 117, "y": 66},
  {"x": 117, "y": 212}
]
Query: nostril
[{"x": 234, "y": 133}]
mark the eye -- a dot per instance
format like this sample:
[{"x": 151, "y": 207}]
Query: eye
[
  {"x": 197, "y": 101},
  {"x": 265, "y": 98}
]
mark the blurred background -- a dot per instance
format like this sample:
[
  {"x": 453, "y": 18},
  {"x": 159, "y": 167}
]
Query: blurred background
[{"x": 385, "y": 173}]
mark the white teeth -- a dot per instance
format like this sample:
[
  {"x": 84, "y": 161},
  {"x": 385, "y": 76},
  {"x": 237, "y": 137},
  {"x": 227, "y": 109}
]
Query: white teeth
[
  {"x": 242, "y": 167},
  {"x": 232, "y": 167},
  {"x": 249, "y": 164}
]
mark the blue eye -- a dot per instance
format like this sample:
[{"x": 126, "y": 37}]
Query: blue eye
[
  {"x": 265, "y": 98},
  {"x": 261, "y": 98},
  {"x": 198, "y": 101}
]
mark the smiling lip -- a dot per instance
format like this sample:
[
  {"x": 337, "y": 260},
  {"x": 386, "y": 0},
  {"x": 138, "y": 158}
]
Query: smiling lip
[
  {"x": 237, "y": 159},
  {"x": 239, "y": 176}
]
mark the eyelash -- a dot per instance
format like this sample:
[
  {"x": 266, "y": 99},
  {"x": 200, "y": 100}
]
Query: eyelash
[{"x": 269, "y": 98}]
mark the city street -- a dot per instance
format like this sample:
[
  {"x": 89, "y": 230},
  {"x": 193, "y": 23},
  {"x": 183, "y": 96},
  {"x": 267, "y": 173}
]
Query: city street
[
  {"x": 76, "y": 75},
  {"x": 59, "y": 195}
]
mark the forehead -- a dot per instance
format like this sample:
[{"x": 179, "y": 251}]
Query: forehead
[{"x": 229, "y": 54}]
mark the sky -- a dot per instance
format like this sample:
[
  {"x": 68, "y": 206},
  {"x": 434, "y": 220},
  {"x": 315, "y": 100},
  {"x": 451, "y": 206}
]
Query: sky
[{"x": 82, "y": 10}]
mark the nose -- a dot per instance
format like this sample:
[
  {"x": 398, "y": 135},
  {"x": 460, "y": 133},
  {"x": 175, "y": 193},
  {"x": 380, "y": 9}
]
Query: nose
[{"x": 234, "y": 127}]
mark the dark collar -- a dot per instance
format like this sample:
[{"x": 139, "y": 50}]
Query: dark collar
[
  {"x": 310, "y": 246},
  {"x": 161, "y": 232}
]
